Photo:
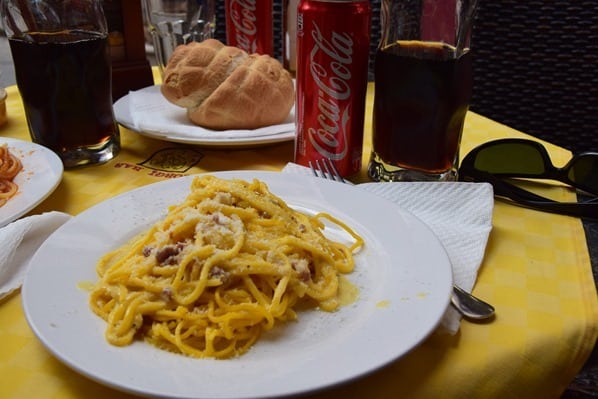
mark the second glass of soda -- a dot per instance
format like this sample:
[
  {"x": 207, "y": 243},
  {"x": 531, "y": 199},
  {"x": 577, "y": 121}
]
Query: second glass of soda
[
  {"x": 64, "y": 75},
  {"x": 423, "y": 84}
]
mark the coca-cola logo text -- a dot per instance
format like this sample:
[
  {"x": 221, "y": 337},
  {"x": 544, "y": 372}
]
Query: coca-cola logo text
[
  {"x": 243, "y": 17},
  {"x": 329, "y": 66}
]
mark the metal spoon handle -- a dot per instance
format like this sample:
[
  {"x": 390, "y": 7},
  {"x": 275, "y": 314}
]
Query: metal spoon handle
[{"x": 470, "y": 306}]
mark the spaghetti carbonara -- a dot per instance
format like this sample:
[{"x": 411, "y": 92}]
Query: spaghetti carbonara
[
  {"x": 223, "y": 266},
  {"x": 10, "y": 166}
]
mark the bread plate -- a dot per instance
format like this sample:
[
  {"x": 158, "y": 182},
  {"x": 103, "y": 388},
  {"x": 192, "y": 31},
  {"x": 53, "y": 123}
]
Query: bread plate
[{"x": 148, "y": 113}]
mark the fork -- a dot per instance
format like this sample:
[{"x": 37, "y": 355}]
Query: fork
[
  {"x": 468, "y": 305},
  {"x": 325, "y": 168}
]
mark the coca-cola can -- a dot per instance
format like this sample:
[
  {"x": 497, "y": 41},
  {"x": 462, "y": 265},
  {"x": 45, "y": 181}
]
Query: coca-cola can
[
  {"x": 249, "y": 25},
  {"x": 333, "y": 39}
]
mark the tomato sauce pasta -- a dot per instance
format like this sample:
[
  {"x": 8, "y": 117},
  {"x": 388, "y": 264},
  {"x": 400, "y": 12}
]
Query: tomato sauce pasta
[
  {"x": 226, "y": 264},
  {"x": 10, "y": 166}
]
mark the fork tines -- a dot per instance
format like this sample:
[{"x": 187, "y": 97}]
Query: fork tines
[{"x": 326, "y": 169}]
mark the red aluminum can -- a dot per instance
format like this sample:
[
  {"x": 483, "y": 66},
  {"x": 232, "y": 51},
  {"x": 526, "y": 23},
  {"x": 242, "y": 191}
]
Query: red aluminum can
[
  {"x": 333, "y": 40},
  {"x": 249, "y": 25}
]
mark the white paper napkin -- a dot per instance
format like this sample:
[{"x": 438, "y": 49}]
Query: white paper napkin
[
  {"x": 460, "y": 214},
  {"x": 151, "y": 112},
  {"x": 18, "y": 242}
]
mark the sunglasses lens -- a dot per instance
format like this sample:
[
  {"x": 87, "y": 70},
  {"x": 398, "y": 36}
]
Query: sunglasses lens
[
  {"x": 511, "y": 159},
  {"x": 584, "y": 172}
]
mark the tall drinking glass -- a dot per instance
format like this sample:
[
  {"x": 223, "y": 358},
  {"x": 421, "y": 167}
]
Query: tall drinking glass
[
  {"x": 176, "y": 22},
  {"x": 423, "y": 84},
  {"x": 63, "y": 72}
]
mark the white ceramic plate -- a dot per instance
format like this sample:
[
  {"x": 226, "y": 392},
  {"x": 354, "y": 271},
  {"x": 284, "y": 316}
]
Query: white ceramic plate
[
  {"x": 159, "y": 119},
  {"x": 403, "y": 275},
  {"x": 41, "y": 173}
]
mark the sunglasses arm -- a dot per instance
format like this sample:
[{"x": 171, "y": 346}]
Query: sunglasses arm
[{"x": 531, "y": 200}]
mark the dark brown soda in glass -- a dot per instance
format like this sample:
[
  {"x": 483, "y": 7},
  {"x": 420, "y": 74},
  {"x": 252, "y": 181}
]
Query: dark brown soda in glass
[
  {"x": 422, "y": 94},
  {"x": 64, "y": 79}
]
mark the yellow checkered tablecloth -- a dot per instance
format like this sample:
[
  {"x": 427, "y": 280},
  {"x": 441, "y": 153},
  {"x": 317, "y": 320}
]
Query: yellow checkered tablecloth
[{"x": 536, "y": 272}]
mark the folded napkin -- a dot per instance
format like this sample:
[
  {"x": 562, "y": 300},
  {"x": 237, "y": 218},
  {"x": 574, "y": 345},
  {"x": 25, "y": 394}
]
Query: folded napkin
[
  {"x": 151, "y": 112},
  {"x": 18, "y": 242},
  {"x": 460, "y": 214}
]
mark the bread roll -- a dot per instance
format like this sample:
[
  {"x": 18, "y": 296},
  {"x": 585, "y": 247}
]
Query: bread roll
[{"x": 223, "y": 87}]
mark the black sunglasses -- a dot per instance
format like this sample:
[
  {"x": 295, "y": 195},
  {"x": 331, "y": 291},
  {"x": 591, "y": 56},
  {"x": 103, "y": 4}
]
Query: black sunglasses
[{"x": 497, "y": 160}]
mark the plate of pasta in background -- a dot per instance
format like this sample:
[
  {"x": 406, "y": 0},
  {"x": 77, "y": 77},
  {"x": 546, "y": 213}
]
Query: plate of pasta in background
[
  {"x": 238, "y": 284},
  {"x": 29, "y": 173}
]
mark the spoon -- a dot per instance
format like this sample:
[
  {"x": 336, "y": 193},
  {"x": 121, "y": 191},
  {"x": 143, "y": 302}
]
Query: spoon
[{"x": 470, "y": 306}]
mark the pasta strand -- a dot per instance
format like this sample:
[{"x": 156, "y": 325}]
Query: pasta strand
[{"x": 10, "y": 166}]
